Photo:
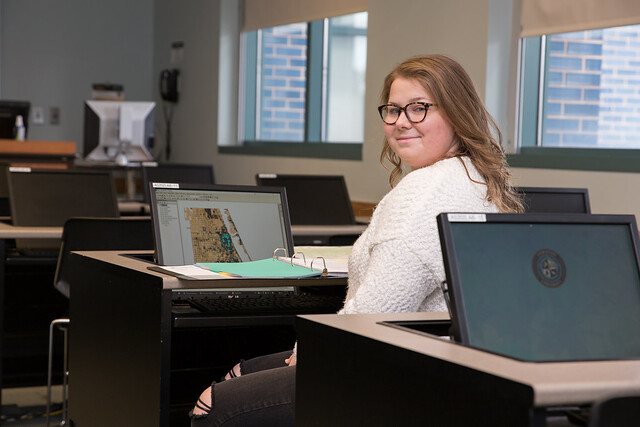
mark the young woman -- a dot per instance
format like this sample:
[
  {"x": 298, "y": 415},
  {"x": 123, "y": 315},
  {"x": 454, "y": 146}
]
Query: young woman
[{"x": 436, "y": 125}]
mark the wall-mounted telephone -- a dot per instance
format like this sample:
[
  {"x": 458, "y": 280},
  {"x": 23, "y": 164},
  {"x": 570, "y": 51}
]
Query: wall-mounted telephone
[{"x": 169, "y": 85}]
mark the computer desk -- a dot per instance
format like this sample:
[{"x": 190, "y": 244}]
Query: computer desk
[
  {"x": 9, "y": 232},
  {"x": 128, "y": 363},
  {"x": 352, "y": 370}
]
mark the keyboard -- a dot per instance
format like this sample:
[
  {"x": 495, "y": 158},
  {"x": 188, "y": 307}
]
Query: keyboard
[{"x": 211, "y": 303}]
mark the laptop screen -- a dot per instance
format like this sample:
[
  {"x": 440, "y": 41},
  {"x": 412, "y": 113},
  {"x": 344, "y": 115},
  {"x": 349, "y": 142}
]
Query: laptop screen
[
  {"x": 218, "y": 223},
  {"x": 314, "y": 199},
  {"x": 544, "y": 287}
]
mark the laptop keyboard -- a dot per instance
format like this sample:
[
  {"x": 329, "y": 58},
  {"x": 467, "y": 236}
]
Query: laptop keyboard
[{"x": 255, "y": 304}]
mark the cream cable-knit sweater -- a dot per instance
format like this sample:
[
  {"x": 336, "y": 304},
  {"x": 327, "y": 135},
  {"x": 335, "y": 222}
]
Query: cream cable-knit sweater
[{"x": 396, "y": 265}]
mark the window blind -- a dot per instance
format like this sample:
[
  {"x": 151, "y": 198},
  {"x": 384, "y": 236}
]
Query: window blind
[
  {"x": 562, "y": 16},
  {"x": 270, "y": 13}
]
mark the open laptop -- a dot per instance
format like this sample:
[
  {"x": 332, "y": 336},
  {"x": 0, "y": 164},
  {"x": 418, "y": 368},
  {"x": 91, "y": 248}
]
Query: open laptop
[
  {"x": 47, "y": 198},
  {"x": 225, "y": 223}
]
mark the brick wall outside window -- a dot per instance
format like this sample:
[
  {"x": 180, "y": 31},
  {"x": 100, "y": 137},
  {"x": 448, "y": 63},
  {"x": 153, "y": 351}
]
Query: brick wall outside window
[
  {"x": 284, "y": 69},
  {"x": 593, "y": 89}
]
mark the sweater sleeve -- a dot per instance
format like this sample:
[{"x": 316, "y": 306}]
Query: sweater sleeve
[{"x": 395, "y": 280}]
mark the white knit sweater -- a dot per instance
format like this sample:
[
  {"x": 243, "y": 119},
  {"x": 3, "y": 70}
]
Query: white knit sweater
[{"x": 396, "y": 265}]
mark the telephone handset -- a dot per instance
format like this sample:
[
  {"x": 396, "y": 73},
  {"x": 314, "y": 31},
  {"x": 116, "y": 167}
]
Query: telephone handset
[{"x": 169, "y": 85}]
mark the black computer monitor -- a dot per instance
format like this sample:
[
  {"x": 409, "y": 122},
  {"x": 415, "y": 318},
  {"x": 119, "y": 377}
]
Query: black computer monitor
[
  {"x": 9, "y": 110},
  {"x": 47, "y": 198},
  {"x": 544, "y": 287},
  {"x": 555, "y": 200},
  {"x": 313, "y": 199},
  {"x": 175, "y": 172}
]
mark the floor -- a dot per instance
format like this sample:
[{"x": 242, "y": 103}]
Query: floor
[{"x": 27, "y": 406}]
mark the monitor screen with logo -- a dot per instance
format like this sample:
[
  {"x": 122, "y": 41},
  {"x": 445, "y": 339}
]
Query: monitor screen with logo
[{"x": 543, "y": 287}]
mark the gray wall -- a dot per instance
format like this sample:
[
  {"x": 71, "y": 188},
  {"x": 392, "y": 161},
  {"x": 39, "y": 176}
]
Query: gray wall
[
  {"x": 52, "y": 52},
  {"x": 194, "y": 123}
]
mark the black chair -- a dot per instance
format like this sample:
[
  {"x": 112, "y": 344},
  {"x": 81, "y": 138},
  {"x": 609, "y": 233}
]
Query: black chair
[
  {"x": 100, "y": 234},
  {"x": 616, "y": 411},
  {"x": 92, "y": 234}
]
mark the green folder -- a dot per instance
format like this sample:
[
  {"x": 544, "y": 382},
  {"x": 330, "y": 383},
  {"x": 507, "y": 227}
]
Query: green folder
[{"x": 269, "y": 267}]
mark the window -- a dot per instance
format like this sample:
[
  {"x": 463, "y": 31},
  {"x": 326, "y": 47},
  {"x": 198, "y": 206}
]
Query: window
[
  {"x": 582, "y": 89},
  {"x": 304, "y": 83}
]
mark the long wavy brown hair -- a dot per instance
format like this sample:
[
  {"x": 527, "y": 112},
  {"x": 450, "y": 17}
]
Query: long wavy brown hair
[{"x": 453, "y": 92}]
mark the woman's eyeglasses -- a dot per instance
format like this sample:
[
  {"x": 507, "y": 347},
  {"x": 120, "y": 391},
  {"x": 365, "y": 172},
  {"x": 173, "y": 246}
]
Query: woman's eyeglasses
[{"x": 414, "y": 111}]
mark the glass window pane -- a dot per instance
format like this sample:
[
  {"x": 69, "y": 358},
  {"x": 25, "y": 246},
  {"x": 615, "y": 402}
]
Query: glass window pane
[
  {"x": 347, "y": 61},
  {"x": 282, "y": 83},
  {"x": 592, "y": 89}
]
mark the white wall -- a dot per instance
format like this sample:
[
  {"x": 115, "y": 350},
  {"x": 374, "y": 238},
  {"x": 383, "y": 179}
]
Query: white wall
[{"x": 52, "y": 52}]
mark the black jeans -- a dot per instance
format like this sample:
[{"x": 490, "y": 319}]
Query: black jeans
[{"x": 264, "y": 395}]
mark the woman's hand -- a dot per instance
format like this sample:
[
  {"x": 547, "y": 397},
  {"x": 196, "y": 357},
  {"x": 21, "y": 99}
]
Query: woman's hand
[{"x": 291, "y": 361}]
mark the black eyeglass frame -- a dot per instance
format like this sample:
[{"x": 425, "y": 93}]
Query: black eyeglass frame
[{"x": 424, "y": 104}]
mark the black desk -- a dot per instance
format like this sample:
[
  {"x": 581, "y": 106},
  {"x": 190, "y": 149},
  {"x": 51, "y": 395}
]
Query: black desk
[
  {"x": 129, "y": 365},
  {"x": 354, "y": 371}
]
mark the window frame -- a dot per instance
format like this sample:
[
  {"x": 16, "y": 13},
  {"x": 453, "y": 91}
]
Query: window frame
[
  {"x": 531, "y": 154},
  {"x": 315, "y": 119}
]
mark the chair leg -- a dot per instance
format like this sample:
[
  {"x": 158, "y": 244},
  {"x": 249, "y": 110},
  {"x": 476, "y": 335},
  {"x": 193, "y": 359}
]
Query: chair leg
[{"x": 62, "y": 324}]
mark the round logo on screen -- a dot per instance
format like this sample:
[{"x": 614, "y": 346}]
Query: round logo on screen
[{"x": 549, "y": 268}]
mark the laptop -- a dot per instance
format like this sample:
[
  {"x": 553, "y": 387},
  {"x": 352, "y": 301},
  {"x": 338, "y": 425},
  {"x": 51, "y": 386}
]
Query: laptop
[
  {"x": 555, "y": 199},
  {"x": 226, "y": 223},
  {"x": 314, "y": 199},
  {"x": 48, "y": 198}
]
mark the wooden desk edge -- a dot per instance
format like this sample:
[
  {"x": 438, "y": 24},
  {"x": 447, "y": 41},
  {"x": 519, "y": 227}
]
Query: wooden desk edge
[{"x": 8, "y": 231}]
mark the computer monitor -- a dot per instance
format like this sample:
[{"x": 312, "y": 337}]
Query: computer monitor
[
  {"x": 544, "y": 287},
  {"x": 9, "y": 110},
  {"x": 313, "y": 199},
  {"x": 47, "y": 198},
  {"x": 555, "y": 200},
  {"x": 175, "y": 172},
  {"x": 218, "y": 223},
  {"x": 118, "y": 131}
]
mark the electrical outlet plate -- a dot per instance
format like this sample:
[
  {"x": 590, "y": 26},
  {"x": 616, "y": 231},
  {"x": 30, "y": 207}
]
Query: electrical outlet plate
[
  {"x": 54, "y": 117},
  {"x": 37, "y": 115}
]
